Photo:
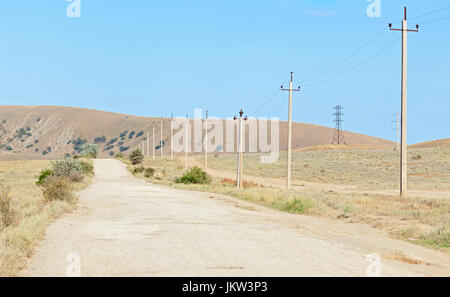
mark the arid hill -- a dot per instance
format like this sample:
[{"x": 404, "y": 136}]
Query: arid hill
[
  {"x": 32, "y": 132},
  {"x": 440, "y": 143}
]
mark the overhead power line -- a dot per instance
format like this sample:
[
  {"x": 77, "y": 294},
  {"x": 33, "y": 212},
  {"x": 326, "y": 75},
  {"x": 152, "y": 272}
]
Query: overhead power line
[
  {"x": 430, "y": 13},
  {"x": 356, "y": 66},
  {"x": 346, "y": 58},
  {"x": 269, "y": 100},
  {"x": 436, "y": 20}
]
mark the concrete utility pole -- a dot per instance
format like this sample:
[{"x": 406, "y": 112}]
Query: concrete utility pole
[
  {"x": 162, "y": 145},
  {"x": 404, "y": 144},
  {"x": 148, "y": 143},
  {"x": 186, "y": 144},
  {"x": 397, "y": 122},
  {"x": 171, "y": 138},
  {"x": 206, "y": 141},
  {"x": 153, "y": 142},
  {"x": 239, "y": 179},
  {"x": 289, "y": 153}
]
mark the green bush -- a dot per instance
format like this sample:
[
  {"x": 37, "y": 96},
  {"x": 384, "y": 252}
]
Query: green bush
[
  {"x": 194, "y": 176},
  {"x": 123, "y": 134},
  {"x": 43, "y": 176},
  {"x": 89, "y": 150},
  {"x": 136, "y": 157},
  {"x": 101, "y": 139},
  {"x": 111, "y": 141},
  {"x": 87, "y": 167},
  {"x": 57, "y": 188},
  {"x": 137, "y": 170},
  {"x": 120, "y": 155},
  {"x": 149, "y": 172},
  {"x": 68, "y": 168}
]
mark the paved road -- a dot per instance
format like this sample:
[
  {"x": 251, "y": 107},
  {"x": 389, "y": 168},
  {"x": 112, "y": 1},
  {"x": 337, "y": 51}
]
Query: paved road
[{"x": 127, "y": 227}]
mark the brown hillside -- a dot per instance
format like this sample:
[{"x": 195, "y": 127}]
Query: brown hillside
[
  {"x": 30, "y": 132},
  {"x": 440, "y": 143}
]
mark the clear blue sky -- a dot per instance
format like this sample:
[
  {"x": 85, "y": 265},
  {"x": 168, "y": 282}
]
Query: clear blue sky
[{"x": 160, "y": 57}]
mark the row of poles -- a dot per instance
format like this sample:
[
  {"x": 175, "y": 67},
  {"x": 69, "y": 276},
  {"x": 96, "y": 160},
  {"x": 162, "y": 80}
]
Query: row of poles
[
  {"x": 162, "y": 142},
  {"x": 403, "y": 120},
  {"x": 239, "y": 180}
]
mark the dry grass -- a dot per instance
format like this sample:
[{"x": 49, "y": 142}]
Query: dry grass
[
  {"x": 419, "y": 220},
  {"x": 32, "y": 213},
  {"x": 245, "y": 183},
  {"x": 368, "y": 170}
]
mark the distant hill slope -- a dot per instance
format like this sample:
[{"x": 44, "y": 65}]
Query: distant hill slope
[
  {"x": 435, "y": 143},
  {"x": 54, "y": 131}
]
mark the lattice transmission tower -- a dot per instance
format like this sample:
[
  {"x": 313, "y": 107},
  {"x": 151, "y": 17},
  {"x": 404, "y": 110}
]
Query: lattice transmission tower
[{"x": 338, "y": 137}]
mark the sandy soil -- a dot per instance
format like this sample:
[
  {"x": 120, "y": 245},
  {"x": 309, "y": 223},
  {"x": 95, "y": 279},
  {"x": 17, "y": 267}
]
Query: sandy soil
[{"x": 127, "y": 227}]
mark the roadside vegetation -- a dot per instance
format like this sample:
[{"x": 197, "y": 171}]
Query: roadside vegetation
[
  {"x": 424, "y": 221},
  {"x": 32, "y": 195}
]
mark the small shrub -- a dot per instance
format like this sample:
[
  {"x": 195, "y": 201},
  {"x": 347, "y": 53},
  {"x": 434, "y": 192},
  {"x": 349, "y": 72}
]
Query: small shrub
[
  {"x": 113, "y": 140},
  {"x": 87, "y": 167},
  {"x": 136, "y": 157},
  {"x": 297, "y": 205},
  {"x": 89, "y": 150},
  {"x": 68, "y": 168},
  {"x": 78, "y": 143},
  {"x": 101, "y": 139},
  {"x": 137, "y": 170},
  {"x": 120, "y": 155},
  {"x": 7, "y": 212},
  {"x": 149, "y": 172},
  {"x": 40, "y": 179},
  {"x": 194, "y": 176},
  {"x": 57, "y": 188}
]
